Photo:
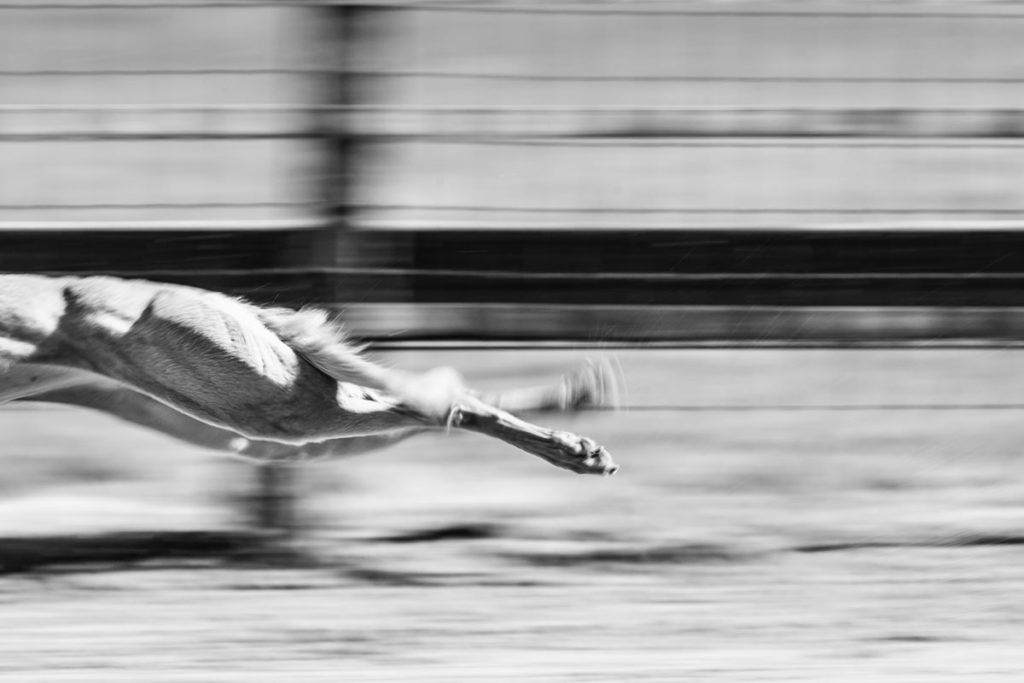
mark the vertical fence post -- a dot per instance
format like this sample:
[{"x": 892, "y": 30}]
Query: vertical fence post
[
  {"x": 274, "y": 507},
  {"x": 336, "y": 31},
  {"x": 347, "y": 31}
]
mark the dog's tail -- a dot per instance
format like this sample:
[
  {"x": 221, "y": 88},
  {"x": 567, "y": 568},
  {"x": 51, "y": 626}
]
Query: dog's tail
[{"x": 325, "y": 345}]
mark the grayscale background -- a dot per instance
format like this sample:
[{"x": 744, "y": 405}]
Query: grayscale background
[{"x": 797, "y": 226}]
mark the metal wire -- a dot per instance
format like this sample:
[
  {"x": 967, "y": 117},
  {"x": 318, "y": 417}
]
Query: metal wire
[
  {"x": 391, "y": 344},
  {"x": 713, "y": 408},
  {"x": 640, "y": 126},
  {"x": 312, "y": 222},
  {"x": 154, "y": 205},
  {"x": 681, "y": 78},
  {"x": 1005, "y": 143},
  {"x": 156, "y": 226},
  {"x": 86, "y": 5},
  {"x": 812, "y": 408},
  {"x": 838, "y": 79},
  {"x": 785, "y": 408},
  {"x": 688, "y": 210},
  {"x": 655, "y": 9},
  {"x": 212, "y": 71},
  {"x": 614, "y": 8},
  {"x": 603, "y": 276}
]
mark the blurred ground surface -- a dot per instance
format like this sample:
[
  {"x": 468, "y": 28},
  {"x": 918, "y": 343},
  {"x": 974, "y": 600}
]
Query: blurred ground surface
[{"x": 811, "y": 545}]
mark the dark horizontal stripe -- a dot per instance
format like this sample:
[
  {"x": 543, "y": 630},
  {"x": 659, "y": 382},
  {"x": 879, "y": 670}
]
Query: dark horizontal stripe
[
  {"x": 654, "y": 78},
  {"x": 144, "y": 206},
  {"x": 101, "y": 136},
  {"x": 700, "y": 251},
  {"x": 734, "y": 290},
  {"x": 605, "y": 328},
  {"x": 348, "y": 286},
  {"x": 147, "y": 250},
  {"x": 673, "y": 268},
  {"x": 415, "y": 342}
]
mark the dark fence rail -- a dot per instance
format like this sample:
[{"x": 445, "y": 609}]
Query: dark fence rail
[{"x": 981, "y": 267}]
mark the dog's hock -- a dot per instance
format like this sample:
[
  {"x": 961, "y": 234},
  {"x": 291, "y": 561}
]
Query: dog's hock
[{"x": 434, "y": 393}]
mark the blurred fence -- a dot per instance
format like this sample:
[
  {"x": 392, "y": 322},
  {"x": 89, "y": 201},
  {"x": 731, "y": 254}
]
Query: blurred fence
[
  {"x": 145, "y": 112},
  {"x": 700, "y": 173},
  {"x": 669, "y": 116},
  {"x": 640, "y": 171}
]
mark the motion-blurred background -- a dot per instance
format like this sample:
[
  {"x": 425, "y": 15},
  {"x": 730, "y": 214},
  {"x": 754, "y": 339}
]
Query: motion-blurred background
[{"x": 798, "y": 224}]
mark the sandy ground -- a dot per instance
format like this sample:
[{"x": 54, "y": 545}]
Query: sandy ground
[{"x": 735, "y": 545}]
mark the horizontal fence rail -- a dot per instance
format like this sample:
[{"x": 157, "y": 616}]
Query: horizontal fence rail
[
  {"x": 909, "y": 9},
  {"x": 149, "y": 227},
  {"x": 668, "y": 121},
  {"x": 593, "y": 125},
  {"x": 759, "y": 290},
  {"x": 106, "y": 122},
  {"x": 315, "y": 71},
  {"x": 809, "y": 252},
  {"x": 741, "y": 269}
]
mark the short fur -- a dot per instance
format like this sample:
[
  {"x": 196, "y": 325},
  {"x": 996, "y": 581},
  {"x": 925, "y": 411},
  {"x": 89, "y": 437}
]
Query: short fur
[{"x": 270, "y": 383}]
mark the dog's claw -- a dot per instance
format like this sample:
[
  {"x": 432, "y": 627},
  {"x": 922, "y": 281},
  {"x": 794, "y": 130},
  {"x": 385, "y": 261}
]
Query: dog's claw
[{"x": 586, "y": 457}]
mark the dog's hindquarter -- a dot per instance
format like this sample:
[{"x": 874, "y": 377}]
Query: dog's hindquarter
[
  {"x": 204, "y": 353},
  {"x": 31, "y": 308}
]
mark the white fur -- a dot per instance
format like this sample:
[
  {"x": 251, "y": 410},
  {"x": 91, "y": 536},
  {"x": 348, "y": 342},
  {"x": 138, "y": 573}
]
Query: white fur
[{"x": 240, "y": 378}]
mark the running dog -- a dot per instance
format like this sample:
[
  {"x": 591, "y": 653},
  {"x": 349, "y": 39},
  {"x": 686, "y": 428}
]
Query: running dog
[{"x": 272, "y": 384}]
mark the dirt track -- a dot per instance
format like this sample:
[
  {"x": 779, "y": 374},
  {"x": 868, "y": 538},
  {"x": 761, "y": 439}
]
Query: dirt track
[{"x": 817, "y": 545}]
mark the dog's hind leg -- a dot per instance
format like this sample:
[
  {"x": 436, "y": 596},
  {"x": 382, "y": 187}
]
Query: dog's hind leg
[
  {"x": 593, "y": 385},
  {"x": 397, "y": 423}
]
